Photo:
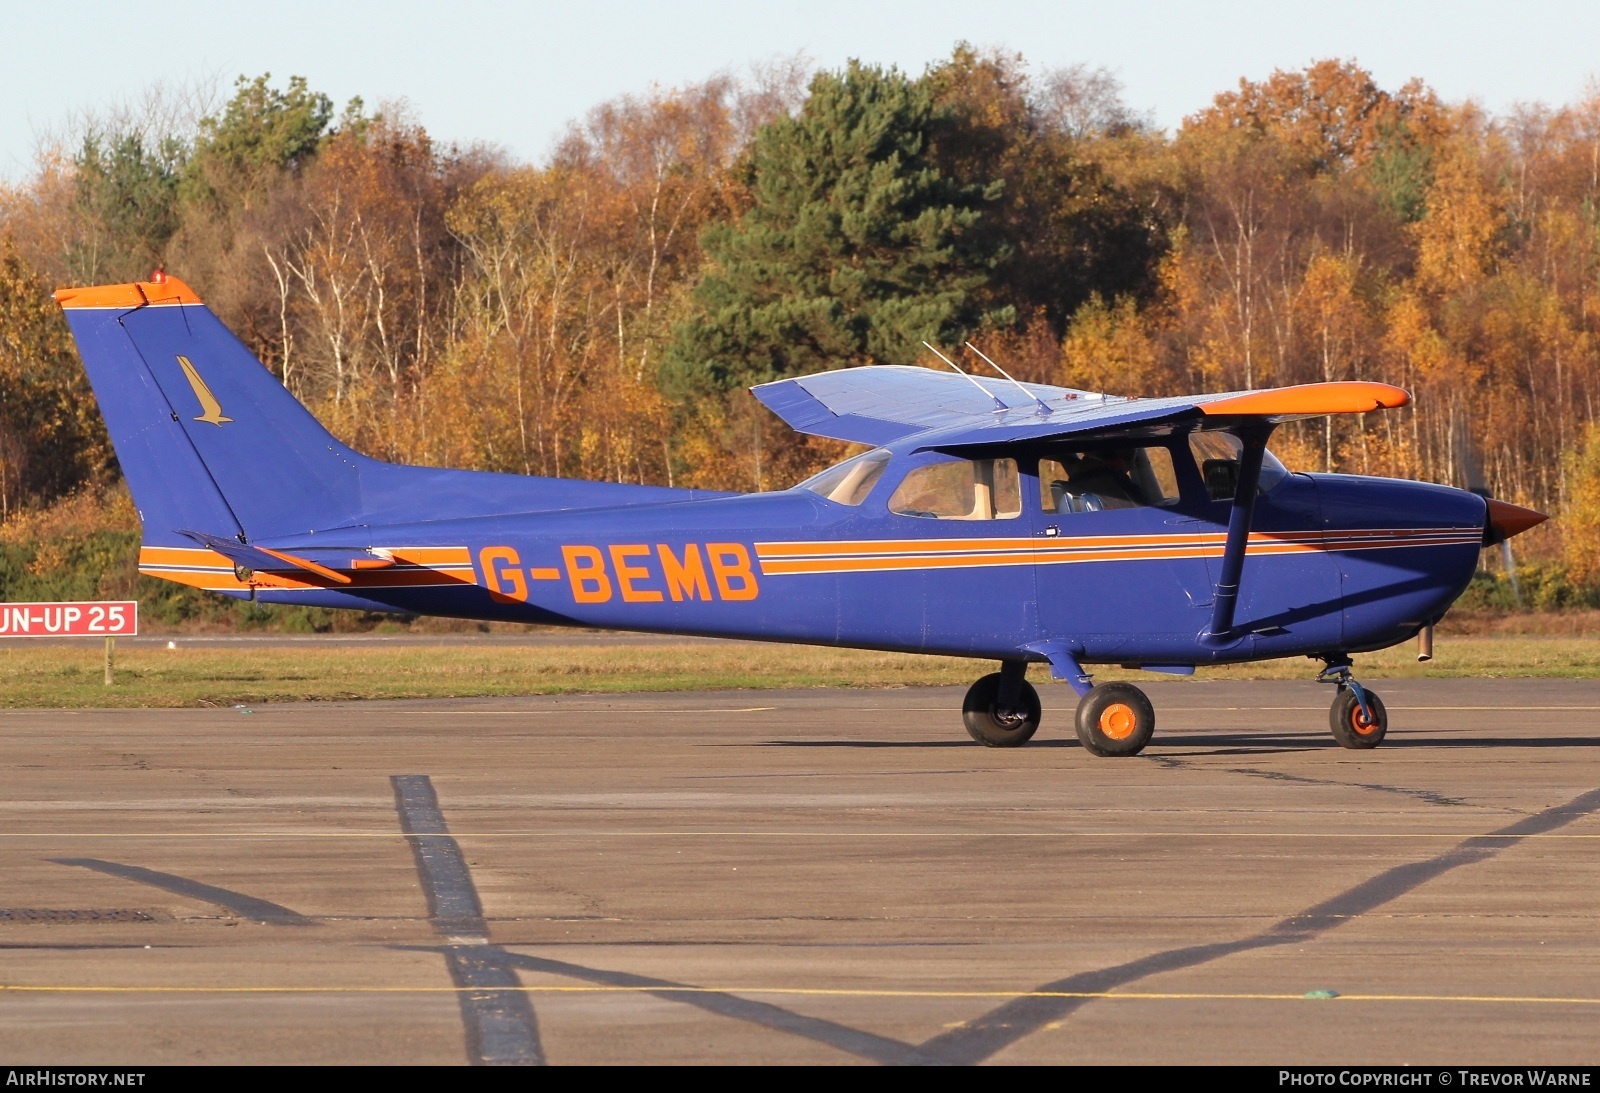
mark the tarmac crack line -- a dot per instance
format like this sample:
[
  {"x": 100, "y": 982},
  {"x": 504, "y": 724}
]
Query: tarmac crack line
[
  {"x": 978, "y": 1040},
  {"x": 1425, "y": 795}
]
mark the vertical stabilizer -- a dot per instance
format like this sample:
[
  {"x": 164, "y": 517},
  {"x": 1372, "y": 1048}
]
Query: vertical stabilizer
[{"x": 208, "y": 439}]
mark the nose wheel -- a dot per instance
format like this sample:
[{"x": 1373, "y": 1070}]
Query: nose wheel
[
  {"x": 1357, "y": 717},
  {"x": 1115, "y": 719}
]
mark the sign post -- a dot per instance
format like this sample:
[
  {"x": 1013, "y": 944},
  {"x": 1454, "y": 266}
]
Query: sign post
[{"x": 77, "y": 619}]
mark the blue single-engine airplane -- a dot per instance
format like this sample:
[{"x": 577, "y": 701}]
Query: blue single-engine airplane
[{"x": 992, "y": 519}]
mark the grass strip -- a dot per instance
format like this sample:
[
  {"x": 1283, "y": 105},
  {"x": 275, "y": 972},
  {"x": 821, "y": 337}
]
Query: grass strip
[{"x": 69, "y": 675}]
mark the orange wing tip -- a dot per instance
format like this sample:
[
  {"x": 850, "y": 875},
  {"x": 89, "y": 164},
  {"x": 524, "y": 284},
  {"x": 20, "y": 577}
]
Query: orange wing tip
[
  {"x": 137, "y": 294},
  {"x": 1313, "y": 399},
  {"x": 1506, "y": 520}
]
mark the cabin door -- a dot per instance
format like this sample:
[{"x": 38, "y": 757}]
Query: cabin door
[{"x": 1119, "y": 554}]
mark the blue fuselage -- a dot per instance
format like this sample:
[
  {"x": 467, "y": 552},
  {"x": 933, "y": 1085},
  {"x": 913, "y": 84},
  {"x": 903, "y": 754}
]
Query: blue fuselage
[{"x": 1335, "y": 563}]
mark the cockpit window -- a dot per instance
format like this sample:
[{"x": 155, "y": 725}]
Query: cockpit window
[
  {"x": 849, "y": 482},
  {"x": 961, "y": 489},
  {"x": 1217, "y": 454},
  {"x": 1107, "y": 478}
]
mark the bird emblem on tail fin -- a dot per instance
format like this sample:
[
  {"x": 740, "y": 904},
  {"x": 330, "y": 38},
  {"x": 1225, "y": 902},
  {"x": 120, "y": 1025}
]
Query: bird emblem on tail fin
[{"x": 210, "y": 408}]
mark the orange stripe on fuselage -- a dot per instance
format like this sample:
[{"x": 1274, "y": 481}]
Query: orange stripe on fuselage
[{"x": 911, "y": 554}]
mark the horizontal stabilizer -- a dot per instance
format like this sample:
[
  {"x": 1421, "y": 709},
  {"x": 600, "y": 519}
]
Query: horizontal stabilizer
[{"x": 264, "y": 558}]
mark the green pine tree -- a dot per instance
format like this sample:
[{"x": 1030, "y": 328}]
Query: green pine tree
[
  {"x": 855, "y": 250},
  {"x": 260, "y": 132}
]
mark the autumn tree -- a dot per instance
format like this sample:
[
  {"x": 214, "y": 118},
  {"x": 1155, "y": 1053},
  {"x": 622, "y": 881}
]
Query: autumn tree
[
  {"x": 51, "y": 437},
  {"x": 1332, "y": 112},
  {"x": 1582, "y": 515},
  {"x": 576, "y": 273},
  {"x": 1062, "y": 230}
]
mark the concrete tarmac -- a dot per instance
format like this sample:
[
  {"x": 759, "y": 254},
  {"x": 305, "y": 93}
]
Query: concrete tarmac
[{"x": 806, "y": 876}]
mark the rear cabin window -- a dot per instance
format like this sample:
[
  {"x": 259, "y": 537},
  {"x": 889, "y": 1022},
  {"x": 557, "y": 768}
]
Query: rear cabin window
[
  {"x": 1107, "y": 478},
  {"x": 963, "y": 489},
  {"x": 849, "y": 482}
]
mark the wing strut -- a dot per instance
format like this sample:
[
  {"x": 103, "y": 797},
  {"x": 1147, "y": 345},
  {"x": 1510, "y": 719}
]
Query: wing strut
[{"x": 1220, "y": 632}]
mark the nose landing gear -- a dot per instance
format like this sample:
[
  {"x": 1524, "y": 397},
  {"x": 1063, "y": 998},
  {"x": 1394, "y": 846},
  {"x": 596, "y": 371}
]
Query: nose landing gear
[
  {"x": 1357, "y": 717},
  {"x": 1115, "y": 719}
]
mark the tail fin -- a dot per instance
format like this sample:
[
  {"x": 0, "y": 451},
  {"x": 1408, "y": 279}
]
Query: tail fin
[
  {"x": 214, "y": 448},
  {"x": 206, "y": 435}
]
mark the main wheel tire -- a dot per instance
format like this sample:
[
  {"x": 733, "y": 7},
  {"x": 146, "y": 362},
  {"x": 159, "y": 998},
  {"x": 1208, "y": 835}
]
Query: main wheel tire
[
  {"x": 993, "y": 727},
  {"x": 1115, "y": 719},
  {"x": 1351, "y": 729}
]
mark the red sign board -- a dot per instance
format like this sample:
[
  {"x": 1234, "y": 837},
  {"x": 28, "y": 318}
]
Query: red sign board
[{"x": 69, "y": 620}]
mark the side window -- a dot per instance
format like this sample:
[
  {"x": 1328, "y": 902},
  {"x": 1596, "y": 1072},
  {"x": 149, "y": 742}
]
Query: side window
[
  {"x": 1217, "y": 454},
  {"x": 849, "y": 482},
  {"x": 962, "y": 489},
  {"x": 1218, "y": 457},
  {"x": 1109, "y": 478}
]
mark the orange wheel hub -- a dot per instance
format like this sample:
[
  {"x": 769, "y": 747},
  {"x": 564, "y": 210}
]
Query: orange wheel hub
[
  {"x": 1361, "y": 724},
  {"x": 1118, "y": 721}
]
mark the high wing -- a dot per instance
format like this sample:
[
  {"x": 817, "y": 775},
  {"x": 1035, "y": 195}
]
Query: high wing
[{"x": 885, "y": 403}]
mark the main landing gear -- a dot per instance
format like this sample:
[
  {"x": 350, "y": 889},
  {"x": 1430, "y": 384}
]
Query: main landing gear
[
  {"x": 1357, "y": 717},
  {"x": 1002, "y": 711}
]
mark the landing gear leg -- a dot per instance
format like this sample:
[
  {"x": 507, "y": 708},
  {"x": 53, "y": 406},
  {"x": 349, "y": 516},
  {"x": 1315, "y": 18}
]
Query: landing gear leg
[
  {"x": 1002, "y": 710},
  {"x": 1357, "y": 717}
]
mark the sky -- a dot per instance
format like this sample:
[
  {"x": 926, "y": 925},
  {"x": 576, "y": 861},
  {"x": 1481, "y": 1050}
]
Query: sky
[{"x": 515, "y": 74}]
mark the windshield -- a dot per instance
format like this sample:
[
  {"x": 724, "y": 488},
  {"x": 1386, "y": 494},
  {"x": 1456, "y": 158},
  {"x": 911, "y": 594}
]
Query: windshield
[
  {"x": 848, "y": 483},
  {"x": 1218, "y": 453}
]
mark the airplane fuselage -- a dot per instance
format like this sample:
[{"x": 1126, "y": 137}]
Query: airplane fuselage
[{"x": 1335, "y": 562}]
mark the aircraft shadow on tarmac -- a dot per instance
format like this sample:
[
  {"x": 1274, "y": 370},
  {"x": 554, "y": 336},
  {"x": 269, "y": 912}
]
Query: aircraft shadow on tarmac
[
  {"x": 235, "y": 903},
  {"x": 1255, "y": 745},
  {"x": 1259, "y": 743},
  {"x": 500, "y": 1023}
]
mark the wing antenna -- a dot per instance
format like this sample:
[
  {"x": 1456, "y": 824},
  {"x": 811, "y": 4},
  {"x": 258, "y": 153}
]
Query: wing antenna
[
  {"x": 1044, "y": 407},
  {"x": 998, "y": 405}
]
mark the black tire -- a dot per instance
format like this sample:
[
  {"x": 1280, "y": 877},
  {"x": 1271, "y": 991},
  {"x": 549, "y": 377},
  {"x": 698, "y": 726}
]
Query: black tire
[
  {"x": 996, "y": 728},
  {"x": 1350, "y": 729},
  {"x": 1115, "y": 719}
]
